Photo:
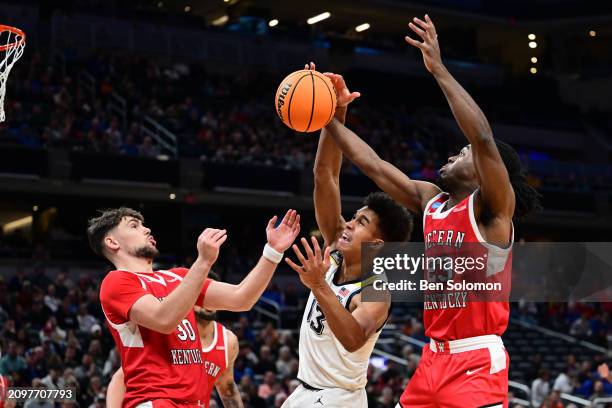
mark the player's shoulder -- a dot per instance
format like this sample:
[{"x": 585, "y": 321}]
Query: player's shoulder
[
  {"x": 179, "y": 270},
  {"x": 232, "y": 343},
  {"x": 117, "y": 276}
]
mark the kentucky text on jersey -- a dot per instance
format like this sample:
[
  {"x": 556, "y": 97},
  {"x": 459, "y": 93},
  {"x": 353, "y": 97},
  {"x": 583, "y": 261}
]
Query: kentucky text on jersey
[
  {"x": 445, "y": 300},
  {"x": 186, "y": 356},
  {"x": 454, "y": 314}
]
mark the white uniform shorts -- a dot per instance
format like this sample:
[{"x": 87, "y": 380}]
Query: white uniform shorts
[{"x": 327, "y": 398}]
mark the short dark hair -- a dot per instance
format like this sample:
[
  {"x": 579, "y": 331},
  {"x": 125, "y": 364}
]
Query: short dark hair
[
  {"x": 98, "y": 227},
  {"x": 394, "y": 221}
]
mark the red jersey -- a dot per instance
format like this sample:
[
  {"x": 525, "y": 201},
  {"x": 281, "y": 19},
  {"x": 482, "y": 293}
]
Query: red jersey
[
  {"x": 3, "y": 390},
  {"x": 155, "y": 365},
  {"x": 215, "y": 359},
  {"x": 453, "y": 316}
]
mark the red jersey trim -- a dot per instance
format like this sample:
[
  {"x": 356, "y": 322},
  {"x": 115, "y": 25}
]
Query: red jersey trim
[
  {"x": 213, "y": 343},
  {"x": 225, "y": 343}
]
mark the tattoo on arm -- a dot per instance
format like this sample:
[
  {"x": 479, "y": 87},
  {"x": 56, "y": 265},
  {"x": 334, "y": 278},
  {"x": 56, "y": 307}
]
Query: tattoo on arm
[{"x": 231, "y": 396}]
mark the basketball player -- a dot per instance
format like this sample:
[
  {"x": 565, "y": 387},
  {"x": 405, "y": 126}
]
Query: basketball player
[
  {"x": 466, "y": 364},
  {"x": 3, "y": 386},
  {"x": 150, "y": 313},
  {"x": 339, "y": 330},
  {"x": 219, "y": 351}
]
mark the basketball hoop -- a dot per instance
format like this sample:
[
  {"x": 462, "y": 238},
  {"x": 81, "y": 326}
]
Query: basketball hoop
[{"x": 12, "y": 44}]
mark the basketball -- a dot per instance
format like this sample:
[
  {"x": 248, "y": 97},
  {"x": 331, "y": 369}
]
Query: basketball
[{"x": 305, "y": 101}]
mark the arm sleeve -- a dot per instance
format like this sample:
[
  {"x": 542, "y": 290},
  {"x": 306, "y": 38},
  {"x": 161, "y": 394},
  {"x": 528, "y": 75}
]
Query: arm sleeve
[
  {"x": 118, "y": 293},
  {"x": 200, "y": 301}
]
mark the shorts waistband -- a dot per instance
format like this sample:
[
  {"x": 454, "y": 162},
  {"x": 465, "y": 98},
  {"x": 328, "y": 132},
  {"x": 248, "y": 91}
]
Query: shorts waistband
[
  {"x": 309, "y": 387},
  {"x": 463, "y": 345}
]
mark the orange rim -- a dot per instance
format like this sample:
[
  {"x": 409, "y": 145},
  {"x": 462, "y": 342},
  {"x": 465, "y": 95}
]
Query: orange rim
[{"x": 15, "y": 31}]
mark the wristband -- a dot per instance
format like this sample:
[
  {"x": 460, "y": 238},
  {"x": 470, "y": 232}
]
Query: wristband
[{"x": 272, "y": 254}]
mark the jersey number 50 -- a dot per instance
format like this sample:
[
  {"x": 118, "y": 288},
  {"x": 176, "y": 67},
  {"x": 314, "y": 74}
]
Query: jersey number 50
[{"x": 185, "y": 330}]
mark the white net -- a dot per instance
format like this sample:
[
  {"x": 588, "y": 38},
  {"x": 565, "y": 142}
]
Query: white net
[{"x": 12, "y": 44}]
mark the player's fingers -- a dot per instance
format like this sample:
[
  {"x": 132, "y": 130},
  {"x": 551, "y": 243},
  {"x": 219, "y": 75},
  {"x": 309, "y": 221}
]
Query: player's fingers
[
  {"x": 299, "y": 255},
  {"x": 355, "y": 95},
  {"x": 317, "y": 248},
  {"x": 313, "y": 66},
  {"x": 221, "y": 240},
  {"x": 421, "y": 23},
  {"x": 293, "y": 265},
  {"x": 417, "y": 30},
  {"x": 414, "y": 42},
  {"x": 341, "y": 82},
  {"x": 296, "y": 228},
  {"x": 219, "y": 234},
  {"x": 307, "y": 248},
  {"x": 292, "y": 217},
  {"x": 431, "y": 24},
  {"x": 286, "y": 216},
  {"x": 326, "y": 256},
  {"x": 208, "y": 235},
  {"x": 272, "y": 222}
]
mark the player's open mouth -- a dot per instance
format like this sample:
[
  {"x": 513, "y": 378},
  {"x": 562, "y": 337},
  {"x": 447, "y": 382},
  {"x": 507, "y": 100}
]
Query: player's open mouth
[
  {"x": 344, "y": 238},
  {"x": 151, "y": 240}
]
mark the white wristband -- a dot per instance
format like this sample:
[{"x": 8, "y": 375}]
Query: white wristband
[{"x": 272, "y": 254}]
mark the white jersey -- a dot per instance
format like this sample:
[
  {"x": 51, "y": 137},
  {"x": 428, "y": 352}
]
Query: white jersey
[{"x": 324, "y": 362}]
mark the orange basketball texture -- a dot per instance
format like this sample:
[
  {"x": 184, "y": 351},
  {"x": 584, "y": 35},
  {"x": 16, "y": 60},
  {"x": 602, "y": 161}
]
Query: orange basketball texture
[{"x": 305, "y": 101}]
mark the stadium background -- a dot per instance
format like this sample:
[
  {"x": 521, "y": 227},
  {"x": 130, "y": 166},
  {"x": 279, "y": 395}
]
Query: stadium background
[{"x": 167, "y": 106}]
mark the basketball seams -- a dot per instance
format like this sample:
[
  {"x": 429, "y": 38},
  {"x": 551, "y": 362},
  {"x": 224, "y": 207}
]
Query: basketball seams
[
  {"x": 309, "y": 95},
  {"x": 312, "y": 77},
  {"x": 291, "y": 99},
  {"x": 331, "y": 98}
]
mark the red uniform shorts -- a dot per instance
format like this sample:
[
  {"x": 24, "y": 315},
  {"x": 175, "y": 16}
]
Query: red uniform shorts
[{"x": 466, "y": 373}]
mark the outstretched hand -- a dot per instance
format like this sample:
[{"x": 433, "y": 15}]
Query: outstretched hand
[
  {"x": 343, "y": 95},
  {"x": 313, "y": 269},
  {"x": 209, "y": 243},
  {"x": 281, "y": 237},
  {"x": 430, "y": 48}
]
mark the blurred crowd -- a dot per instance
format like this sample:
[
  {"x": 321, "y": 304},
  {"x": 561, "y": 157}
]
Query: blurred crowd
[
  {"x": 217, "y": 118},
  {"x": 53, "y": 335},
  {"x": 222, "y": 118}
]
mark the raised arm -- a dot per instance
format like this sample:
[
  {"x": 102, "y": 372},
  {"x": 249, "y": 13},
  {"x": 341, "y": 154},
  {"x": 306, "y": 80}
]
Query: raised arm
[
  {"x": 116, "y": 390},
  {"x": 495, "y": 193},
  {"x": 164, "y": 317},
  {"x": 225, "y": 384},
  {"x": 352, "y": 328},
  {"x": 243, "y": 296},
  {"x": 412, "y": 194},
  {"x": 327, "y": 169}
]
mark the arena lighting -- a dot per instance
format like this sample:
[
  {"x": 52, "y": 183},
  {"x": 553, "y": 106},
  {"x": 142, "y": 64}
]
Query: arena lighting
[
  {"x": 533, "y": 44},
  {"x": 35, "y": 208},
  {"x": 273, "y": 23},
  {"x": 531, "y": 37},
  {"x": 534, "y": 60},
  {"x": 160, "y": 4},
  {"x": 220, "y": 21},
  {"x": 187, "y": 9},
  {"x": 362, "y": 27},
  {"x": 18, "y": 223},
  {"x": 172, "y": 196},
  {"x": 320, "y": 17},
  {"x": 533, "y": 70},
  {"x": 592, "y": 33}
]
